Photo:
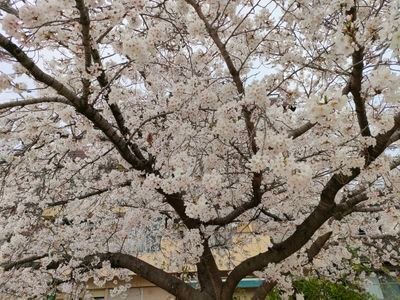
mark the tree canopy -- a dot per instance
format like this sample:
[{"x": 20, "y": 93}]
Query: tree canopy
[{"x": 196, "y": 116}]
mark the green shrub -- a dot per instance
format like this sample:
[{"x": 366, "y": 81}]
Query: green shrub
[
  {"x": 315, "y": 289},
  {"x": 319, "y": 289}
]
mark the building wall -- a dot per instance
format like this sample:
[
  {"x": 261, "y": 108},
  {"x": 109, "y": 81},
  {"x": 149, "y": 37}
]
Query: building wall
[
  {"x": 144, "y": 290},
  {"x": 141, "y": 290}
]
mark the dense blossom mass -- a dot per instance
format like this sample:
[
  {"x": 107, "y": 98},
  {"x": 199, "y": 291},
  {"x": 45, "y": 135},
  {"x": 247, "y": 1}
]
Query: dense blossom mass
[{"x": 181, "y": 120}]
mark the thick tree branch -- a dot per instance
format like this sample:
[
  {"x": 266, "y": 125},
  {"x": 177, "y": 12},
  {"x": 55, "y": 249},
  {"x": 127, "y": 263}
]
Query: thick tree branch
[
  {"x": 254, "y": 202},
  {"x": 382, "y": 141},
  {"x": 177, "y": 203},
  {"x": 262, "y": 291},
  {"x": 317, "y": 245},
  {"x": 119, "y": 142},
  {"x": 84, "y": 20},
  {"x": 32, "y": 101},
  {"x": 160, "y": 278},
  {"x": 105, "y": 85},
  {"x": 395, "y": 163},
  {"x": 208, "y": 273},
  {"x": 22, "y": 262},
  {"x": 354, "y": 87},
  {"x": 6, "y": 6},
  {"x": 36, "y": 72},
  {"x": 355, "y": 82},
  {"x": 395, "y": 137},
  {"x": 295, "y": 133},
  {"x": 271, "y": 215}
]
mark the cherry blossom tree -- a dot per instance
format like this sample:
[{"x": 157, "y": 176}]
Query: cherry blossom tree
[{"x": 204, "y": 114}]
